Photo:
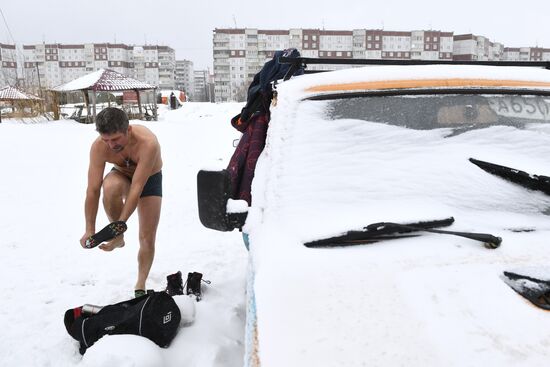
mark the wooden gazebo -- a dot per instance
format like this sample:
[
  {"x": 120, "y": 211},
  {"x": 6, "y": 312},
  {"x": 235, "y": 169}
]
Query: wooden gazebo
[
  {"x": 18, "y": 98},
  {"x": 105, "y": 80}
]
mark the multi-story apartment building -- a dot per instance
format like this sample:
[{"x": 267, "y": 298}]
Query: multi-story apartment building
[
  {"x": 8, "y": 65},
  {"x": 526, "y": 54},
  {"x": 167, "y": 66},
  {"x": 53, "y": 64},
  {"x": 469, "y": 47},
  {"x": 240, "y": 53},
  {"x": 185, "y": 77},
  {"x": 203, "y": 86},
  {"x": 539, "y": 54}
]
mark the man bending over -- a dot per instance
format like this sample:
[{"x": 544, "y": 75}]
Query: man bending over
[{"x": 135, "y": 181}]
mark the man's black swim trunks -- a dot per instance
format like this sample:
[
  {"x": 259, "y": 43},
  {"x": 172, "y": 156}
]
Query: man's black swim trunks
[{"x": 153, "y": 186}]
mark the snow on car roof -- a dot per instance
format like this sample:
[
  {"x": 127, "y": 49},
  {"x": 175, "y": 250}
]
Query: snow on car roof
[{"x": 421, "y": 76}]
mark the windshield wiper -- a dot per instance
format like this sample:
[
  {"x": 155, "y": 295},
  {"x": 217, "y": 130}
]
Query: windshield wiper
[
  {"x": 537, "y": 291},
  {"x": 533, "y": 182},
  {"x": 388, "y": 230}
]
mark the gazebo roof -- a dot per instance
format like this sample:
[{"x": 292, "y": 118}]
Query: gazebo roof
[
  {"x": 103, "y": 80},
  {"x": 13, "y": 94}
]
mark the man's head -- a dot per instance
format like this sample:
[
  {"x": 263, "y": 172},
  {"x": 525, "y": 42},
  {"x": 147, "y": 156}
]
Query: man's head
[
  {"x": 112, "y": 124},
  {"x": 111, "y": 120}
]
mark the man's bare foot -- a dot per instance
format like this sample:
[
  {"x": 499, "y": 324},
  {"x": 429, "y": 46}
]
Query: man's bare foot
[{"x": 113, "y": 244}]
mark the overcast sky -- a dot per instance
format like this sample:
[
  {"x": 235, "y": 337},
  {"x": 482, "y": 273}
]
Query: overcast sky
[{"x": 187, "y": 25}]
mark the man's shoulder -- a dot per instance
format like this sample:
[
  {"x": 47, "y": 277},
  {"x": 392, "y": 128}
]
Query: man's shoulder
[
  {"x": 143, "y": 132},
  {"x": 98, "y": 151},
  {"x": 97, "y": 145},
  {"x": 145, "y": 135}
]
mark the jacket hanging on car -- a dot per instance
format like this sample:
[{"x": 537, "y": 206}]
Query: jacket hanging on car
[{"x": 253, "y": 122}]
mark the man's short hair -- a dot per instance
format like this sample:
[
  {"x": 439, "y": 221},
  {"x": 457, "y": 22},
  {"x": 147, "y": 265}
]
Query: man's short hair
[{"x": 111, "y": 120}]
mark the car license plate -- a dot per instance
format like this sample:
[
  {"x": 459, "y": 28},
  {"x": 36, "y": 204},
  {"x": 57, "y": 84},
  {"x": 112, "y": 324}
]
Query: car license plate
[{"x": 533, "y": 108}]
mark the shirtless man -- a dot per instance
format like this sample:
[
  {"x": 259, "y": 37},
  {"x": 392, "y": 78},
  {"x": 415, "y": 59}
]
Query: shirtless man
[{"x": 135, "y": 181}]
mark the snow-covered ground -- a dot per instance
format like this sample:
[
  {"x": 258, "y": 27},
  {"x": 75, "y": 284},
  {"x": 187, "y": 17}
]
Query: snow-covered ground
[{"x": 45, "y": 271}]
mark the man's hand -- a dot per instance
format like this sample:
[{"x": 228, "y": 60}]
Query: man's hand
[{"x": 84, "y": 238}]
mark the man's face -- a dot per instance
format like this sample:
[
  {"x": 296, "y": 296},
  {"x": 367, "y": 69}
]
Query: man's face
[{"x": 116, "y": 141}]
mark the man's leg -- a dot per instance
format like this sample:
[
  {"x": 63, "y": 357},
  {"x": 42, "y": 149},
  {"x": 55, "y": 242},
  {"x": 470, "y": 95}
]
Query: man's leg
[
  {"x": 149, "y": 215},
  {"x": 115, "y": 188}
]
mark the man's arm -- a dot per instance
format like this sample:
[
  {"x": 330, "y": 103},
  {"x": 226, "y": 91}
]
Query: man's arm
[
  {"x": 147, "y": 158},
  {"x": 95, "y": 179}
]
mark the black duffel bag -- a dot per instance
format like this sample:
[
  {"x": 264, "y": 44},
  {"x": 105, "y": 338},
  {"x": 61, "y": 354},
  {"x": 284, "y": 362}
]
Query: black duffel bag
[{"x": 154, "y": 316}]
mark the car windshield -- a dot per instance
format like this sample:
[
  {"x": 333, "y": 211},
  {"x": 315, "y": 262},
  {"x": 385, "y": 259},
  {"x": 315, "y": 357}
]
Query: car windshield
[
  {"x": 350, "y": 162},
  {"x": 457, "y": 111}
]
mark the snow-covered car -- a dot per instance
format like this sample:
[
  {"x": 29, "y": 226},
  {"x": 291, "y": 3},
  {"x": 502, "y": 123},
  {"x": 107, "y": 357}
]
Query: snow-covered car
[{"x": 363, "y": 173}]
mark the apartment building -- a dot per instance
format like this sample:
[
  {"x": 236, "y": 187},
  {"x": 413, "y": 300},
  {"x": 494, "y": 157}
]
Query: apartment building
[
  {"x": 8, "y": 65},
  {"x": 526, "y": 54},
  {"x": 204, "y": 89},
  {"x": 185, "y": 77},
  {"x": 166, "y": 66},
  {"x": 240, "y": 53},
  {"x": 53, "y": 64},
  {"x": 469, "y": 47}
]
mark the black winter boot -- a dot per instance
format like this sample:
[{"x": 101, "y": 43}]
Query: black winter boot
[
  {"x": 194, "y": 284},
  {"x": 174, "y": 286}
]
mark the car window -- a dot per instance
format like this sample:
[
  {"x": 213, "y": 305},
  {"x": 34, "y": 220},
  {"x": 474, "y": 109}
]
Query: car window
[
  {"x": 348, "y": 172},
  {"x": 443, "y": 111}
]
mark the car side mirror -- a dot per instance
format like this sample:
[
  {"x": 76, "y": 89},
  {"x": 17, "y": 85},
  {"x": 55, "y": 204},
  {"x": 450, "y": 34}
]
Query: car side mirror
[{"x": 214, "y": 193}]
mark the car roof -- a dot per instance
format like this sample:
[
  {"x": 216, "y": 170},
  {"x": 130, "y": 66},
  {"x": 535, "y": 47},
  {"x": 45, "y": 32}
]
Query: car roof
[{"x": 420, "y": 77}]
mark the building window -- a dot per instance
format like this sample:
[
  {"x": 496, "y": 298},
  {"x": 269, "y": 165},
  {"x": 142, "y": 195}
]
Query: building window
[
  {"x": 369, "y": 45},
  {"x": 338, "y": 53},
  {"x": 377, "y": 38},
  {"x": 427, "y": 39},
  {"x": 435, "y": 39},
  {"x": 306, "y": 37}
]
